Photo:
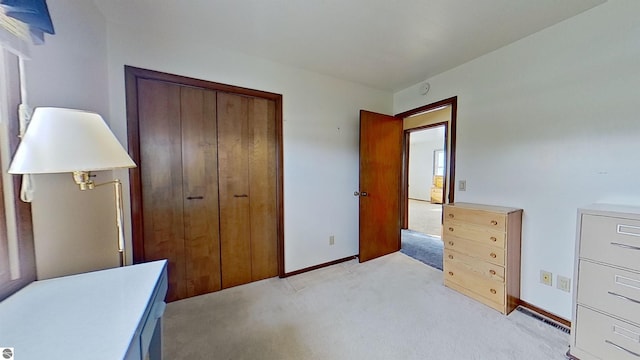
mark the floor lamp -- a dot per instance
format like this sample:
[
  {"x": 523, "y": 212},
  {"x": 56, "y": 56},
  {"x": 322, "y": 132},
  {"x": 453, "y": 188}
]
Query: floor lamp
[{"x": 62, "y": 140}]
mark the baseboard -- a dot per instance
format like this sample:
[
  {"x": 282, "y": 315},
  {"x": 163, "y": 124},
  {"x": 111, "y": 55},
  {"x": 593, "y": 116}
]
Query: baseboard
[
  {"x": 545, "y": 313},
  {"x": 319, "y": 266}
]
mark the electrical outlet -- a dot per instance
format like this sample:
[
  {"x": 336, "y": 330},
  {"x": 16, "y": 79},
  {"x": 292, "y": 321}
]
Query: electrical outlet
[
  {"x": 546, "y": 277},
  {"x": 332, "y": 240},
  {"x": 564, "y": 283},
  {"x": 462, "y": 185}
]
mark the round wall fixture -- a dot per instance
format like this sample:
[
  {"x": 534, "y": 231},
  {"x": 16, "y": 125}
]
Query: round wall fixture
[{"x": 424, "y": 88}]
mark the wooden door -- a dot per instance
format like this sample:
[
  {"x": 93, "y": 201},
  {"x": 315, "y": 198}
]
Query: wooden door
[
  {"x": 380, "y": 178},
  {"x": 161, "y": 173},
  {"x": 200, "y": 190},
  {"x": 263, "y": 188},
  {"x": 247, "y": 173},
  {"x": 207, "y": 192},
  {"x": 178, "y": 165}
]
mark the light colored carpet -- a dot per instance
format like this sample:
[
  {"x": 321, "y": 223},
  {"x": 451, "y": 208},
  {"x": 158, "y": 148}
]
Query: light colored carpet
[
  {"x": 425, "y": 217},
  {"x": 393, "y": 307}
]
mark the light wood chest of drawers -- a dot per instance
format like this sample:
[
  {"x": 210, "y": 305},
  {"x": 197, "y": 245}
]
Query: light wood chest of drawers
[
  {"x": 606, "y": 292},
  {"x": 482, "y": 253}
]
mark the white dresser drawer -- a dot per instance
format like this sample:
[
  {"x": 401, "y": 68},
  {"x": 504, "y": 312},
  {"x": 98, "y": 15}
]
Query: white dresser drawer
[
  {"x": 606, "y": 338},
  {"x": 612, "y": 240},
  {"x": 609, "y": 289}
]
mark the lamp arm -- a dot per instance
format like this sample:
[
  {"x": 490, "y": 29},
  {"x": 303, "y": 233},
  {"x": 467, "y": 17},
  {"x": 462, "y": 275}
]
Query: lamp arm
[{"x": 119, "y": 218}]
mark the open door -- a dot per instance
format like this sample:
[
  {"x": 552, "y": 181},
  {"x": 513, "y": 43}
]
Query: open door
[{"x": 380, "y": 178}]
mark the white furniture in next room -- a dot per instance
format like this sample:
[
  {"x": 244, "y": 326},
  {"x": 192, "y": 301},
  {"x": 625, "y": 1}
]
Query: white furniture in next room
[
  {"x": 606, "y": 293},
  {"x": 103, "y": 315}
]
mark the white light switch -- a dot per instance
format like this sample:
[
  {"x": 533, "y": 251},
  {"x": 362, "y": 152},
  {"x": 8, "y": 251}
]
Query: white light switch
[{"x": 462, "y": 185}]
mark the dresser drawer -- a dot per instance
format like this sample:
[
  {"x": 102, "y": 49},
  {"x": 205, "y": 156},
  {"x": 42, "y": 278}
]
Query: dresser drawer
[
  {"x": 612, "y": 240},
  {"x": 477, "y": 233},
  {"x": 487, "y": 219},
  {"x": 605, "y": 337},
  {"x": 491, "y": 254},
  {"x": 477, "y": 284},
  {"x": 609, "y": 289},
  {"x": 477, "y": 266}
]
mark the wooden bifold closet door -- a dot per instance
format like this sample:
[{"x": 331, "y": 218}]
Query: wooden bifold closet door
[
  {"x": 247, "y": 182},
  {"x": 208, "y": 185}
]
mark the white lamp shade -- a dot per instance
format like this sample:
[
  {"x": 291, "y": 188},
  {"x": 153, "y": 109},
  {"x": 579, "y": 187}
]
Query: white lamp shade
[{"x": 65, "y": 140}]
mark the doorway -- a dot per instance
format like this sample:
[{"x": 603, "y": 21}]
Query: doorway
[
  {"x": 429, "y": 135},
  {"x": 426, "y": 158},
  {"x": 384, "y": 148}
]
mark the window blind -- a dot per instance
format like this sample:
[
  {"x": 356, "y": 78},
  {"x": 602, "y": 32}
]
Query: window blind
[{"x": 33, "y": 13}]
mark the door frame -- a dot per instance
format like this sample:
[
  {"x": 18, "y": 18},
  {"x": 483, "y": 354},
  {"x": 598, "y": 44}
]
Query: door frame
[
  {"x": 450, "y": 131},
  {"x": 132, "y": 75}
]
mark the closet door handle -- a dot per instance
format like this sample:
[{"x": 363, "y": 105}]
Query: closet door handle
[
  {"x": 242, "y": 195},
  {"x": 195, "y": 197}
]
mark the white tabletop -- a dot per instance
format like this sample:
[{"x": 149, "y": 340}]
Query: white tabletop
[{"x": 86, "y": 316}]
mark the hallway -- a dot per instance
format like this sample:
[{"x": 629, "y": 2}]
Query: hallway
[{"x": 425, "y": 217}]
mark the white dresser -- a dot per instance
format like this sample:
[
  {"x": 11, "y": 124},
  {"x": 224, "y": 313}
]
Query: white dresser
[{"x": 606, "y": 300}]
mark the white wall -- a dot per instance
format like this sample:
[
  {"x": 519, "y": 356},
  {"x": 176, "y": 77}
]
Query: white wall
[
  {"x": 321, "y": 129},
  {"x": 423, "y": 144},
  {"x": 74, "y": 231},
  {"x": 549, "y": 123}
]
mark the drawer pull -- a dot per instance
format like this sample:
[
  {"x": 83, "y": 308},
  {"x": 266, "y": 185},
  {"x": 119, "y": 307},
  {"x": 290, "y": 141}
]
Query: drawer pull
[
  {"x": 450, "y": 229},
  {"x": 493, "y": 222},
  {"x": 451, "y": 273},
  {"x": 451, "y": 257},
  {"x": 493, "y": 291},
  {"x": 621, "y": 348},
  {"x": 625, "y": 246},
  {"x": 635, "y": 233},
  {"x": 623, "y": 297},
  {"x": 494, "y": 239},
  {"x": 451, "y": 216},
  {"x": 451, "y": 243},
  {"x": 492, "y": 272},
  {"x": 493, "y": 255}
]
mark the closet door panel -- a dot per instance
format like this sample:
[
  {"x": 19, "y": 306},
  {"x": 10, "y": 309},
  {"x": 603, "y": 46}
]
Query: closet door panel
[
  {"x": 233, "y": 169},
  {"x": 200, "y": 183},
  {"x": 262, "y": 186},
  {"x": 161, "y": 174}
]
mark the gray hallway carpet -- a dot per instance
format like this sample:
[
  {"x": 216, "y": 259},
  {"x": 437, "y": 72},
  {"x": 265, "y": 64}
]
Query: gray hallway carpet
[{"x": 422, "y": 247}]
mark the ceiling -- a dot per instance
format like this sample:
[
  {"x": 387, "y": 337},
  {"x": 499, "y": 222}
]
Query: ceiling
[{"x": 384, "y": 44}]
